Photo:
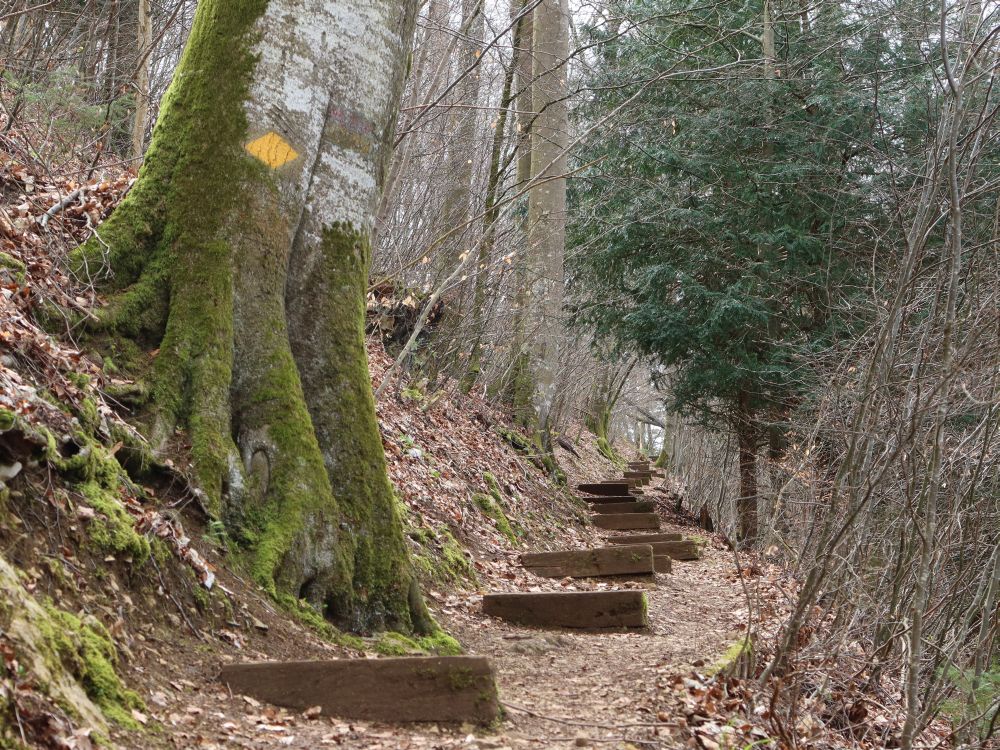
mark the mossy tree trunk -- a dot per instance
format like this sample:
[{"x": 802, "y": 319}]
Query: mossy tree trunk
[{"x": 242, "y": 253}]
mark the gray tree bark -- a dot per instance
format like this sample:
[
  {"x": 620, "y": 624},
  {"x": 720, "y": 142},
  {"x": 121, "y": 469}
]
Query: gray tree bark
[{"x": 547, "y": 202}]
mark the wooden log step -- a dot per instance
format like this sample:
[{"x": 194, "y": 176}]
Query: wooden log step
[
  {"x": 661, "y": 563},
  {"x": 641, "y": 479},
  {"x": 638, "y": 474},
  {"x": 624, "y": 521},
  {"x": 570, "y": 609},
  {"x": 607, "y": 498},
  {"x": 638, "y": 464},
  {"x": 605, "y": 488},
  {"x": 664, "y": 536},
  {"x": 621, "y": 560},
  {"x": 684, "y": 549},
  {"x": 630, "y": 506},
  {"x": 438, "y": 688}
]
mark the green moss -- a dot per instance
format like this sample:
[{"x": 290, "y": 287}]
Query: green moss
[
  {"x": 396, "y": 644},
  {"x": 16, "y": 268},
  {"x": 517, "y": 441},
  {"x": 731, "y": 658},
  {"x": 112, "y": 529},
  {"x": 88, "y": 414},
  {"x": 440, "y": 643},
  {"x": 96, "y": 475},
  {"x": 491, "y": 509},
  {"x": 540, "y": 457},
  {"x": 607, "y": 450},
  {"x": 442, "y": 558},
  {"x": 305, "y": 614},
  {"x": 86, "y": 649},
  {"x": 7, "y": 420}
]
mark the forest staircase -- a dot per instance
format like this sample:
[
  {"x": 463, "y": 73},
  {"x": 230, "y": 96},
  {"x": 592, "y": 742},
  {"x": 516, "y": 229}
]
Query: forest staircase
[
  {"x": 463, "y": 688},
  {"x": 617, "y": 505}
]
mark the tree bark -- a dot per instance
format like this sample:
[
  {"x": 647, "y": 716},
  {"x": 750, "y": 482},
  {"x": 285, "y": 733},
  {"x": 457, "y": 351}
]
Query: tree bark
[
  {"x": 518, "y": 387},
  {"x": 144, "y": 42},
  {"x": 242, "y": 253},
  {"x": 547, "y": 202},
  {"x": 746, "y": 504}
]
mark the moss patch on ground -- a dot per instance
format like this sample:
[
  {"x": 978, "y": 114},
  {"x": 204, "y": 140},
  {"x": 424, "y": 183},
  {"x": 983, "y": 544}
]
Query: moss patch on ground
[
  {"x": 732, "y": 657},
  {"x": 87, "y": 651},
  {"x": 492, "y": 507},
  {"x": 396, "y": 644},
  {"x": 541, "y": 458}
]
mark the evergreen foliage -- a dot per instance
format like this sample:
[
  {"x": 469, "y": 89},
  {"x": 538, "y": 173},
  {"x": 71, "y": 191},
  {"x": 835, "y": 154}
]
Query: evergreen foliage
[{"x": 727, "y": 221}]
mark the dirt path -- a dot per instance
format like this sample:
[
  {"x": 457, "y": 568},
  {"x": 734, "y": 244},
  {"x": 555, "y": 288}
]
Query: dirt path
[
  {"x": 602, "y": 688},
  {"x": 560, "y": 688}
]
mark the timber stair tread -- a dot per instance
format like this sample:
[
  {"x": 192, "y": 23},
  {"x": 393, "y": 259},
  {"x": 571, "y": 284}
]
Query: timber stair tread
[
  {"x": 587, "y": 610},
  {"x": 616, "y": 505},
  {"x": 626, "y": 521},
  {"x": 617, "y": 560},
  {"x": 416, "y": 688},
  {"x": 629, "y": 506}
]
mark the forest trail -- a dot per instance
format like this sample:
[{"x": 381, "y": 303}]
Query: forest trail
[{"x": 559, "y": 687}]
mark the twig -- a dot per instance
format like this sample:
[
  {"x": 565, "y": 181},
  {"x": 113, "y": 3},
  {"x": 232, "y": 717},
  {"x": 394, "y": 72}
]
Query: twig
[{"x": 78, "y": 193}]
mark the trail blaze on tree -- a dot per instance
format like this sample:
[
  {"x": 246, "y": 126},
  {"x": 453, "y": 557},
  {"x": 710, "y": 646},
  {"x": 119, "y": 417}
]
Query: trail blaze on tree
[{"x": 242, "y": 252}]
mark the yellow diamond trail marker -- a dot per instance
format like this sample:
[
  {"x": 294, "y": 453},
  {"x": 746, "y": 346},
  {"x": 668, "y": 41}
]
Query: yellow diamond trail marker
[{"x": 272, "y": 149}]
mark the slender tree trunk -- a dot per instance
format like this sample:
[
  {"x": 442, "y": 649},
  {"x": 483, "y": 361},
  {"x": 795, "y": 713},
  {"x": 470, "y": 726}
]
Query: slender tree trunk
[
  {"x": 486, "y": 245},
  {"x": 520, "y": 388},
  {"x": 144, "y": 43},
  {"x": 457, "y": 206},
  {"x": 242, "y": 253},
  {"x": 746, "y": 504},
  {"x": 547, "y": 203}
]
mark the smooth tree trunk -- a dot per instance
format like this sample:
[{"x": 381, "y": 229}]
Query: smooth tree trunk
[
  {"x": 242, "y": 254},
  {"x": 547, "y": 203},
  {"x": 144, "y": 43},
  {"x": 517, "y": 387}
]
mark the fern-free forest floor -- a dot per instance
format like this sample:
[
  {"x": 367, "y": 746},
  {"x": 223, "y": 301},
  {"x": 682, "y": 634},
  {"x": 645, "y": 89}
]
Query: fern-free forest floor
[{"x": 560, "y": 688}]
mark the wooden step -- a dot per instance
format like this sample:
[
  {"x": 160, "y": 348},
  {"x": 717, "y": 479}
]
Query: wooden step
[
  {"x": 636, "y": 559},
  {"x": 607, "y": 498},
  {"x": 570, "y": 609},
  {"x": 661, "y": 563},
  {"x": 605, "y": 488},
  {"x": 438, "y": 688},
  {"x": 640, "y": 479},
  {"x": 663, "y": 536},
  {"x": 630, "y": 506},
  {"x": 624, "y": 521},
  {"x": 684, "y": 549},
  {"x": 638, "y": 474}
]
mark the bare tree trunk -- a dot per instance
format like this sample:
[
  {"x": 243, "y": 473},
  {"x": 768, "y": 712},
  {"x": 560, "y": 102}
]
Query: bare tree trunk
[
  {"x": 486, "y": 245},
  {"x": 746, "y": 504},
  {"x": 144, "y": 43},
  {"x": 520, "y": 388},
  {"x": 547, "y": 203}
]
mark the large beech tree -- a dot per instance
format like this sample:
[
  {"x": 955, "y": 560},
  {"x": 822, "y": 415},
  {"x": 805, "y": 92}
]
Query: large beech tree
[{"x": 242, "y": 254}]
